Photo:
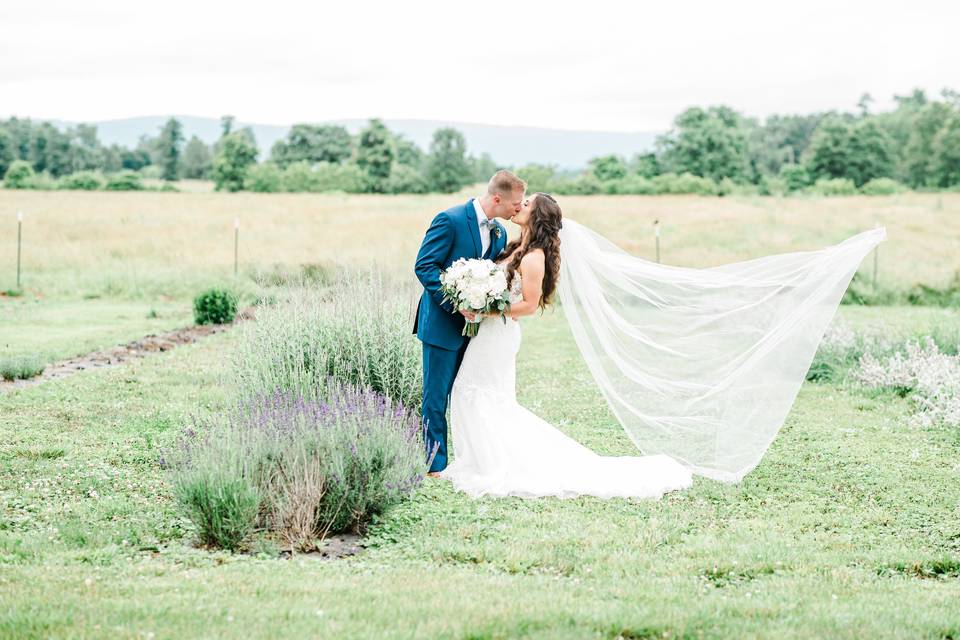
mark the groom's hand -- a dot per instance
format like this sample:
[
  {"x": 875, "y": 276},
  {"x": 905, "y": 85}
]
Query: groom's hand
[{"x": 469, "y": 315}]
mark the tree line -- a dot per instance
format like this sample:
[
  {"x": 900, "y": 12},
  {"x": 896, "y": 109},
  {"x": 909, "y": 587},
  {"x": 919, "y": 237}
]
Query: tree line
[
  {"x": 717, "y": 150},
  {"x": 309, "y": 158},
  {"x": 712, "y": 150}
]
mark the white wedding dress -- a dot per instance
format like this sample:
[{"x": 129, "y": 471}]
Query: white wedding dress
[{"x": 502, "y": 449}]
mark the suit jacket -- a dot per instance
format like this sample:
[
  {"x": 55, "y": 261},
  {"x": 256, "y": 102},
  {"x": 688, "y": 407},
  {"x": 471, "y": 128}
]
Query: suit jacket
[{"x": 452, "y": 235}]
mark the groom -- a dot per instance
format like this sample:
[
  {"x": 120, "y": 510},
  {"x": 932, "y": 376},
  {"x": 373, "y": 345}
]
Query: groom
[{"x": 468, "y": 230}]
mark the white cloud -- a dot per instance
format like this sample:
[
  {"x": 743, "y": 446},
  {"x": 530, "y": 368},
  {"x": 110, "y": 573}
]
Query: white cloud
[{"x": 598, "y": 65}]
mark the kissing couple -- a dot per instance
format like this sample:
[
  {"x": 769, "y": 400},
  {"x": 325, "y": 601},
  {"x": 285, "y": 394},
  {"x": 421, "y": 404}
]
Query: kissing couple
[{"x": 699, "y": 366}]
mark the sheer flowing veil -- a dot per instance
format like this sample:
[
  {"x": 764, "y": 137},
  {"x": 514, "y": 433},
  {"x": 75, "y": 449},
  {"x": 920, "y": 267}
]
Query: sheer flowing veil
[{"x": 702, "y": 364}]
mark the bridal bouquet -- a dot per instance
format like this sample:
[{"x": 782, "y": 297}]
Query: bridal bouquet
[{"x": 475, "y": 285}]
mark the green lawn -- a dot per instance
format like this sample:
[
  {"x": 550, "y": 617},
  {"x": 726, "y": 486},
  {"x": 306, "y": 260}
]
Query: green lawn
[
  {"x": 57, "y": 329},
  {"x": 849, "y": 528}
]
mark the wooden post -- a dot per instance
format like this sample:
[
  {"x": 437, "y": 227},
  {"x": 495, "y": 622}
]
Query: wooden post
[
  {"x": 656, "y": 231},
  {"x": 19, "y": 243},
  {"x": 876, "y": 259},
  {"x": 236, "y": 246}
]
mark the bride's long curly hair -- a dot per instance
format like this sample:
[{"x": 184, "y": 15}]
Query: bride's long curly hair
[{"x": 543, "y": 232}]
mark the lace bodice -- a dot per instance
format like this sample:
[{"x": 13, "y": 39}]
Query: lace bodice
[{"x": 516, "y": 288}]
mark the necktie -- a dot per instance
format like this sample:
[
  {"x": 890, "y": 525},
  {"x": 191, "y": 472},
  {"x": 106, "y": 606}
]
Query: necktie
[{"x": 487, "y": 225}]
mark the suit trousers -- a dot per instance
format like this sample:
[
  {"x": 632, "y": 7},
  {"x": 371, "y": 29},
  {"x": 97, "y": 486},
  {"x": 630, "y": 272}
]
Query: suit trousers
[{"x": 440, "y": 368}]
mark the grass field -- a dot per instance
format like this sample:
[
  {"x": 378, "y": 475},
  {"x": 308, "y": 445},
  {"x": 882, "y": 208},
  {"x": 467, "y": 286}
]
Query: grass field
[
  {"x": 59, "y": 329},
  {"x": 849, "y": 528},
  {"x": 150, "y": 245}
]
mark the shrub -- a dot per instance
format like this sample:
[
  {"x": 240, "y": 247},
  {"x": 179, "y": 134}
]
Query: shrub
[
  {"x": 882, "y": 187},
  {"x": 151, "y": 172},
  {"x": 404, "y": 179},
  {"x": 124, "y": 181},
  {"x": 862, "y": 291},
  {"x": 324, "y": 177},
  {"x": 264, "y": 178},
  {"x": 82, "y": 181},
  {"x": 539, "y": 177},
  {"x": 348, "y": 178},
  {"x": 685, "y": 183},
  {"x": 216, "y": 306},
  {"x": 19, "y": 175},
  {"x": 42, "y": 182},
  {"x": 773, "y": 186},
  {"x": 948, "y": 296},
  {"x": 300, "y": 466},
  {"x": 586, "y": 184},
  {"x": 20, "y": 367},
  {"x": 794, "y": 176},
  {"x": 726, "y": 187},
  {"x": 629, "y": 185},
  {"x": 924, "y": 374},
  {"x": 299, "y": 177},
  {"x": 833, "y": 187},
  {"x": 356, "y": 331}
]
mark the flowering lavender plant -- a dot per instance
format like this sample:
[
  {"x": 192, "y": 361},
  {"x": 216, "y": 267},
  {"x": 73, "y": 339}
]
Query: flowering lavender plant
[{"x": 314, "y": 464}]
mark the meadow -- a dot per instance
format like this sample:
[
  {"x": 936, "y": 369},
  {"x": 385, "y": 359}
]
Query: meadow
[
  {"x": 850, "y": 527},
  {"x": 159, "y": 246}
]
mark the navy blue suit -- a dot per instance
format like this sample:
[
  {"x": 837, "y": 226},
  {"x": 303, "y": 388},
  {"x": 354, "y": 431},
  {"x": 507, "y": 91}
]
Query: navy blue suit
[{"x": 452, "y": 235}]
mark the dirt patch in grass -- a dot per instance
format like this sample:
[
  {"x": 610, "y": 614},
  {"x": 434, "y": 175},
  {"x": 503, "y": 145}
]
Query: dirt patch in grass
[
  {"x": 139, "y": 348},
  {"x": 341, "y": 545}
]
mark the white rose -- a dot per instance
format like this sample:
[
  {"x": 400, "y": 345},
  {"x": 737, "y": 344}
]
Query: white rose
[
  {"x": 479, "y": 270},
  {"x": 498, "y": 283}
]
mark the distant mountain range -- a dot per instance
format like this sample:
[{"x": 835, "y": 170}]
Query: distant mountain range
[{"x": 507, "y": 145}]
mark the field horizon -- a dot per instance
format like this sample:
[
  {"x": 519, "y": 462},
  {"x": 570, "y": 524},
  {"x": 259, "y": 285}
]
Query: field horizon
[{"x": 156, "y": 245}]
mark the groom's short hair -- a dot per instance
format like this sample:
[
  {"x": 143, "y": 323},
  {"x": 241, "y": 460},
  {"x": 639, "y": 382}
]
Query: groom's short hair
[{"x": 505, "y": 182}]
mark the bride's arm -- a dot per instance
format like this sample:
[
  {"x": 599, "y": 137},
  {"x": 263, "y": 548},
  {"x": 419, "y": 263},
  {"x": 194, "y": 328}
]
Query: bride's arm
[{"x": 531, "y": 278}]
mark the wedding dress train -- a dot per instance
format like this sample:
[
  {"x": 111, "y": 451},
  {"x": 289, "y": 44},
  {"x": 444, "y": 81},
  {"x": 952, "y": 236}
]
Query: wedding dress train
[{"x": 503, "y": 449}]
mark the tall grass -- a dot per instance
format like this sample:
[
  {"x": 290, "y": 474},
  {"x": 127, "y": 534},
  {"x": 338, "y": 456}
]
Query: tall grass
[
  {"x": 145, "y": 244},
  {"x": 357, "y": 331}
]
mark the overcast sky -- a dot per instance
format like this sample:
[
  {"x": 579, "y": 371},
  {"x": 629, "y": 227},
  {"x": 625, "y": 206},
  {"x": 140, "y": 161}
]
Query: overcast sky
[{"x": 589, "y": 65}]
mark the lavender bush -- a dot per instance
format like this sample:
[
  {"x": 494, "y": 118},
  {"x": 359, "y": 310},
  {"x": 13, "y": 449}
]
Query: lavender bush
[
  {"x": 356, "y": 331},
  {"x": 925, "y": 369},
  {"x": 928, "y": 377},
  {"x": 312, "y": 464},
  {"x": 842, "y": 348}
]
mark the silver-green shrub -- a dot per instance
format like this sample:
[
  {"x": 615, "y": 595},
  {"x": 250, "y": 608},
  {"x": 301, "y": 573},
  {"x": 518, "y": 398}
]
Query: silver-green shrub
[{"x": 356, "y": 331}]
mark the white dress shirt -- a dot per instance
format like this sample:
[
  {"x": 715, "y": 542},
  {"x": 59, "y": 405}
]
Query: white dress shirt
[{"x": 484, "y": 232}]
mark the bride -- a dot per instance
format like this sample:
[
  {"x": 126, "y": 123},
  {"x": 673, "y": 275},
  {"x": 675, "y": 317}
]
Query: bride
[
  {"x": 502, "y": 448},
  {"x": 699, "y": 366}
]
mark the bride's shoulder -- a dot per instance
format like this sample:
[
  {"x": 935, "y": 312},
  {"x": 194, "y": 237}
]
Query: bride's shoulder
[
  {"x": 532, "y": 261},
  {"x": 533, "y": 256}
]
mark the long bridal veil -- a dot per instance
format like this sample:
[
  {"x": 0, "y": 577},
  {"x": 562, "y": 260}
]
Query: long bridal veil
[{"x": 702, "y": 364}]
